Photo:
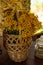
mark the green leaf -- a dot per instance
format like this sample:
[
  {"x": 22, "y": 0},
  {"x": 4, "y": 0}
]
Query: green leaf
[{"x": 15, "y": 32}]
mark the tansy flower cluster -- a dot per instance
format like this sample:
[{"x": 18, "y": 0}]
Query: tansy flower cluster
[{"x": 26, "y": 23}]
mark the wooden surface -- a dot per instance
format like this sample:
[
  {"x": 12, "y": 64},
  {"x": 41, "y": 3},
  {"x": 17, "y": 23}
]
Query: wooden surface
[{"x": 32, "y": 60}]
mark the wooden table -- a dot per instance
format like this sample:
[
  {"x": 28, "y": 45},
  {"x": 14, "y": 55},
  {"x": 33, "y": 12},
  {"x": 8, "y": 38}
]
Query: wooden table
[{"x": 32, "y": 60}]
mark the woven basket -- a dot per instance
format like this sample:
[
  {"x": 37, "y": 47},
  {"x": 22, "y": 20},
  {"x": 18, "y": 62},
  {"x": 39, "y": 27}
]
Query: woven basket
[{"x": 17, "y": 47}]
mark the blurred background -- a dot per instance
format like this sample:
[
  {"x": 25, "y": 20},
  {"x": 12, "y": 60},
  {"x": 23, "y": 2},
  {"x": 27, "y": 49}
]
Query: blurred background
[{"x": 37, "y": 9}]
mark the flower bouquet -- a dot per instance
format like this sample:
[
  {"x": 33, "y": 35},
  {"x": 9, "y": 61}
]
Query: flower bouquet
[{"x": 19, "y": 27}]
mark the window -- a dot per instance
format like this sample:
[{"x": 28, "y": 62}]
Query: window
[{"x": 37, "y": 8}]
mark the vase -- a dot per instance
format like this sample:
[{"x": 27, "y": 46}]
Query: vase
[{"x": 16, "y": 47}]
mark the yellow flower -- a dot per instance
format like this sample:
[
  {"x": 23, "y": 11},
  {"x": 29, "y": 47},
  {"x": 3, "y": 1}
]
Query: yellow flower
[{"x": 27, "y": 23}]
